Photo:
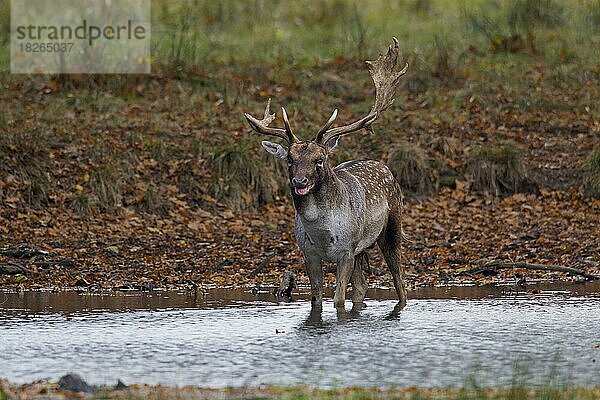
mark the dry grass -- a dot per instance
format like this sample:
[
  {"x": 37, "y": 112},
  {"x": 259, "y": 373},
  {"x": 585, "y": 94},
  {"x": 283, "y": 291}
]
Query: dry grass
[
  {"x": 591, "y": 175},
  {"x": 81, "y": 204},
  {"x": 410, "y": 166},
  {"x": 497, "y": 169},
  {"x": 447, "y": 146},
  {"x": 49, "y": 391},
  {"x": 25, "y": 166},
  {"x": 106, "y": 183},
  {"x": 242, "y": 178},
  {"x": 153, "y": 201}
]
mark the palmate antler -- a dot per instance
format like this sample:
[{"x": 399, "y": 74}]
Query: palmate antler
[
  {"x": 262, "y": 126},
  {"x": 386, "y": 80}
]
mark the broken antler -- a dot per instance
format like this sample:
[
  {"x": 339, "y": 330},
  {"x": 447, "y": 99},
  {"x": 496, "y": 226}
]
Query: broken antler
[
  {"x": 262, "y": 126},
  {"x": 386, "y": 80}
]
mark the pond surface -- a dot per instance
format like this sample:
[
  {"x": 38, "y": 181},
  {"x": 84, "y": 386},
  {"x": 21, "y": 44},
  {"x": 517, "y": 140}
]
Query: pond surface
[{"x": 444, "y": 337}]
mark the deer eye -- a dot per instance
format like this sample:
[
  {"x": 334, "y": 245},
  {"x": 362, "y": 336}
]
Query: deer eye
[
  {"x": 289, "y": 161},
  {"x": 319, "y": 162}
]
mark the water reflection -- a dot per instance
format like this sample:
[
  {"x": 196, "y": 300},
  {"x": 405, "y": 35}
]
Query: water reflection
[
  {"x": 233, "y": 338},
  {"x": 123, "y": 301}
]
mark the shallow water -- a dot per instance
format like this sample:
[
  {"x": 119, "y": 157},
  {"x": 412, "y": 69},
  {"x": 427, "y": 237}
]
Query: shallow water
[{"x": 236, "y": 338}]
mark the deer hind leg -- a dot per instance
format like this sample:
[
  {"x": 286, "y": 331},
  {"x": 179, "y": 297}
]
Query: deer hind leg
[
  {"x": 359, "y": 284},
  {"x": 390, "y": 242}
]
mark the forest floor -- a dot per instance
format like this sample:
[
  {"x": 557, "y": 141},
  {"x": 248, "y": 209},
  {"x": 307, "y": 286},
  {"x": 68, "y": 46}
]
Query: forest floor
[
  {"x": 128, "y": 181},
  {"x": 123, "y": 187}
]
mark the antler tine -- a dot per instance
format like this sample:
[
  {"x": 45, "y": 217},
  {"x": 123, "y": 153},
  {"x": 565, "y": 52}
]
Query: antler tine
[
  {"x": 288, "y": 127},
  {"x": 327, "y": 125},
  {"x": 386, "y": 79},
  {"x": 262, "y": 126}
]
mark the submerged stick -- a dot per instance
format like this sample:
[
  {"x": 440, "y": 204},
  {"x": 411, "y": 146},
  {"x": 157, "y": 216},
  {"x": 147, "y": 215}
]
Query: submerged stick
[{"x": 288, "y": 283}]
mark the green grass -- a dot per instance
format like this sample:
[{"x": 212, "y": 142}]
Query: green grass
[
  {"x": 438, "y": 37},
  {"x": 446, "y": 43}
]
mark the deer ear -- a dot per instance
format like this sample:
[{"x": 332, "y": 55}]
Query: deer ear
[
  {"x": 275, "y": 148},
  {"x": 332, "y": 143}
]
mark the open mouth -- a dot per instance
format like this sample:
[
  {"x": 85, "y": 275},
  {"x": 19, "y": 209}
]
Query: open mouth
[{"x": 302, "y": 191}]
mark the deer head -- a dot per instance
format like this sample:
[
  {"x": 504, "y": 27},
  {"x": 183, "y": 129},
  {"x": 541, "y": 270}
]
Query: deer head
[{"x": 307, "y": 160}]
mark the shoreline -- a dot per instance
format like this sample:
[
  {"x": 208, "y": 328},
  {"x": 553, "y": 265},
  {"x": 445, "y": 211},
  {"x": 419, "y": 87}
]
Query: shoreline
[
  {"x": 531, "y": 285},
  {"x": 49, "y": 390}
]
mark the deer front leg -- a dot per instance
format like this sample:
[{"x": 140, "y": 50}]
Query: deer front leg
[
  {"x": 359, "y": 284},
  {"x": 314, "y": 270},
  {"x": 345, "y": 267}
]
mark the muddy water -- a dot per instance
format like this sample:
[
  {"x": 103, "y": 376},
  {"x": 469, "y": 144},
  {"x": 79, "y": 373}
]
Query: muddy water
[{"x": 236, "y": 338}]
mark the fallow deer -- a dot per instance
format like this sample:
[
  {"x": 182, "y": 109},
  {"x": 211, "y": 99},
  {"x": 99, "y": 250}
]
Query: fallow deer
[{"x": 343, "y": 210}]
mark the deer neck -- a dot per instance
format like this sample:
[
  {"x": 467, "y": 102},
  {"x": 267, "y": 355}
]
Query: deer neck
[{"x": 321, "y": 199}]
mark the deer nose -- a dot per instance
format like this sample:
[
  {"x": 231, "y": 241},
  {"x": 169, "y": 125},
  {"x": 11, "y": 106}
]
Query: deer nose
[{"x": 301, "y": 180}]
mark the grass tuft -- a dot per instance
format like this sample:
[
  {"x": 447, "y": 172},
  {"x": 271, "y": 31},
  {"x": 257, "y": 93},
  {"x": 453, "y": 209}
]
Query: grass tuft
[
  {"x": 157, "y": 149},
  {"x": 498, "y": 170},
  {"x": 106, "y": 183},
  {"x": 191, "y": 174},
  {"x": 593, "y": 14},
  {"x": 153, "y": 202},
  {"x": 36, "y": 191},
  {"x": 524, "y": 14},
  {"x": 25, "y": 163},
  {"x": 243, "y": 179},
  {"x": 81, "y": 204},
  {"x": 411, "y": 168},
  {"x": 591, "y": 176}
]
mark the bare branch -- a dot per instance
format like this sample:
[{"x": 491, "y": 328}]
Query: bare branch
[
  {"x": 496, "y": 265},
  {"x": 386, "y": 80}
]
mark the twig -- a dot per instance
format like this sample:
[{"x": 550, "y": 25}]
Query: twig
[
  {"x": 22, "y": 251},
  {"x": 60, "y": 263},
  {"x": 13, "y": 269},
  {"x": 260, "y": 267},
  {"x": 495, "y": 265}
]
